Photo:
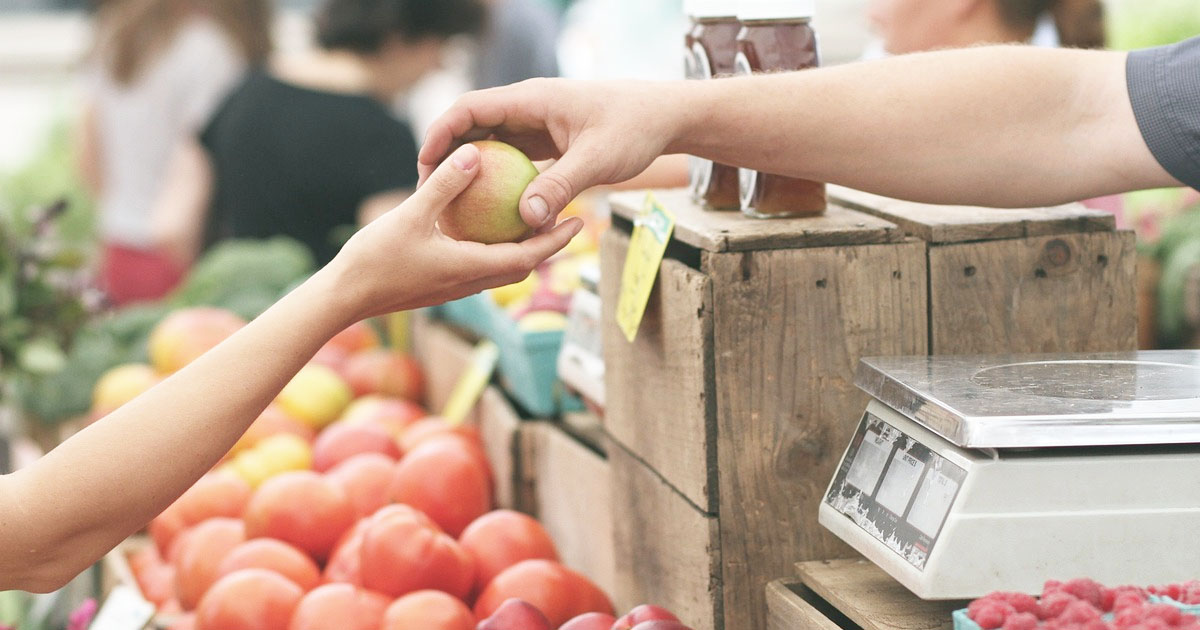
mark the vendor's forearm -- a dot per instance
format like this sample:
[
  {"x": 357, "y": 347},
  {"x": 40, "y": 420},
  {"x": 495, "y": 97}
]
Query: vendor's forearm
[
  {"x": 105, "y": 483},
  {"x": 998, "y": 126}
]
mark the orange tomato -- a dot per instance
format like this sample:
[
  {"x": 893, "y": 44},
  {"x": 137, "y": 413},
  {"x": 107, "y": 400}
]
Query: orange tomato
[
  {"x": 428, "y": 610},
  {"x": 215, "y": 494},
  {"x": 445, "y": 482},
  {"x": 165, "y": 528},
  {"x": 401, "y": 553},
  {"x": 357, "y": 337},
  {"x": 393, "y": 414},
  {"x": 366, "y": 479},
  {"x": 341, "y": 441},
  {"x": 557, "y": 591},
  {"x": 345, "y": 563},
  {"x": 272, "y": 421},
  {"x": 275, "y": 555},
  {"x": 341, "y": 607},
  {"x": 434, "y": 426},
  {"x": 155, "y": 578},
  {"x": 301, "y": 508},
  {"x": 497, "y": 540},
  {"x": 250, "y": 599},
  {"x": 201, "y": 550}
]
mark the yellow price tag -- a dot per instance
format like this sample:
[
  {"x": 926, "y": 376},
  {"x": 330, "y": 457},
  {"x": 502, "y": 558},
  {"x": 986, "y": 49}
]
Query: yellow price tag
[
  {"x": 651, "y": 233},
  {"x": 471, "y": 384},
  {"x": 398, "y": 325}
]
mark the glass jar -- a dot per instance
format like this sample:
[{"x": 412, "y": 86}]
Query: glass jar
[
  {"x": 777, "y": 36},
  {"x": 713, "y": 42}
]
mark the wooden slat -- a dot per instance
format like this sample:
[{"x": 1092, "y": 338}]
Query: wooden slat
[
  {"x": 787, "y": 609},
  {"x": 872, "y": 599},
  {"x": 667, "y": 550},
  {"x": 659, "y": 401},
  {"x": 1069, "y": 293},
  {"x": 958, "y": 224},
  {"x": 733, "y": 232},
  {"x": 572, "y": 492},
  {"x": 790, "y": 326}
]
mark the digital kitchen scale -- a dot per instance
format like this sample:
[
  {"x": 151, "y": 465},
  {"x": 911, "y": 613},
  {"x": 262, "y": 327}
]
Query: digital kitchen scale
[{"x": 969, "y": 475}]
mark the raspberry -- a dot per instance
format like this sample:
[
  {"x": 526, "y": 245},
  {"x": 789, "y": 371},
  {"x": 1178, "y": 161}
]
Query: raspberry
[
  {"x": 1079, "y": 612},
  {"x": 1019, "y": 601},
  {"x": 1086, "y": 589},
  {"x": 1169, "y": 614},
  {"x": 1129, "y": 617},
  {"x": 1054, "y": 603},
  {"x": 1021, "y": 621},
  {"x": 991, "y": 614},
  {"x": 1191, "y": 592}
]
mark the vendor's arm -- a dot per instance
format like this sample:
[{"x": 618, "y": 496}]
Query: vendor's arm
[
  {"x": 65, "y": 511},
  {"x": 1011, "y": 126}
]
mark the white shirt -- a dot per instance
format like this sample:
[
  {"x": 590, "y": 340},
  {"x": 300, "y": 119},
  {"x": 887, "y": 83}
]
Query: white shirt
[{"x": 139, "y": 124}]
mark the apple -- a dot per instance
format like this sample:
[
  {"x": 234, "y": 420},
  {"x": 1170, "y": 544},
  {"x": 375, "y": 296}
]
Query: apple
[
  {"x": 515, "y": 614},
  {"x": 121, "y": 385},
  {"x": 589, "y": 621},
  {"x": 487, "y": 211},
  {"x": 186, "y": 334},
  {"x": 645, "y": 612}
]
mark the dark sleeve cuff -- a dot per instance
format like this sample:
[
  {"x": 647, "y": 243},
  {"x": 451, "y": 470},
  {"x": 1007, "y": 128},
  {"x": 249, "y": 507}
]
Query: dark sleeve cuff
[{"x": 1164, "y": 88}]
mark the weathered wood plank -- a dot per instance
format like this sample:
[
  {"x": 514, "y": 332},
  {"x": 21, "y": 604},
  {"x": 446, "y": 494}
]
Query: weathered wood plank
[
  {"x": 732, "y": 231},
  {"x": 958, "y": 224},
  {"x": 872, "y": 599},
  {"x": 572, "y": 492},
  {"x": 1067, "y": 293},
  {"x": 667, "y": 549},
  {"x": 789, "y": 329},
  {"x": 659, "y": 388},
  {"x": 787, "y": 609}
]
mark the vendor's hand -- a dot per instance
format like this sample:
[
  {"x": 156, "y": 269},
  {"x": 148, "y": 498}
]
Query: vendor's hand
[
  {"x": 401, "y": 260},
  {"x": 601, "y": 133}
]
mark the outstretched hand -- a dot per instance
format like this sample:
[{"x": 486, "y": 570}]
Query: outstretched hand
[
  {"x": 600, "y": 133},
  {"x": 402, "y": 260}
]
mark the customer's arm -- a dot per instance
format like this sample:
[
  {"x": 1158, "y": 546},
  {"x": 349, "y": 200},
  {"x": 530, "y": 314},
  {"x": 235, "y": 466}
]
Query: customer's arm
[
  {"x": 62, "y": 513},
  {"x": 1009, "y": 125}
]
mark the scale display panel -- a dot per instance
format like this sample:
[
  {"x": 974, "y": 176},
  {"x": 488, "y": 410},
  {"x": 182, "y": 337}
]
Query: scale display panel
[{"x": 895, "y": 488}]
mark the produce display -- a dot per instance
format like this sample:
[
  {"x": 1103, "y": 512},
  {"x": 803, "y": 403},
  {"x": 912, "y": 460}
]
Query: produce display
[
  {"x": 1084, "y": 604},
  {"x": 346, "y": 505}
]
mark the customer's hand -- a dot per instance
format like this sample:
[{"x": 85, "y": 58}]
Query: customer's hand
[
  {"x": 401, "y": 260},
  {"x": 601, "y": 133}
]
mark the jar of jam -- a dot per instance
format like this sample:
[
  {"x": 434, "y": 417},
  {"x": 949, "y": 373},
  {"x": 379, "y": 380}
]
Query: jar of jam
[
  {"x": 713, "y": 51},
  {"x": 777, "y": 36}
]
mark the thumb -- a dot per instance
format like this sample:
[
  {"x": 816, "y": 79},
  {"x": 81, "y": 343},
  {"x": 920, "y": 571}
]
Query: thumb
[
  {"x": 551, "y": 191},
  {"x": 447, "y": 181}
]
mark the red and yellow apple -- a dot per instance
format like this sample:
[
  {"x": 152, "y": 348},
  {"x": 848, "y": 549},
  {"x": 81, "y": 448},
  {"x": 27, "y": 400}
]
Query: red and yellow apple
[{"x": 487, "y": 211}]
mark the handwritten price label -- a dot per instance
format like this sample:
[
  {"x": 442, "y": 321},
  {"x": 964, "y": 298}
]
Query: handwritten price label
[{"x": 651, "y": 233}]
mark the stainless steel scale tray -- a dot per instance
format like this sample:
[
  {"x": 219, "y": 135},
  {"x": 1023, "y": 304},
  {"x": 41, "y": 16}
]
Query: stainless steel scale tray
[{"x": 1032, "y": 401}]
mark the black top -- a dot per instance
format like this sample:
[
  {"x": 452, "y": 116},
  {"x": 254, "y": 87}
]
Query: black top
[
  {"x": 1164, "y": 87},
  {"x": 299, "y": 162}
]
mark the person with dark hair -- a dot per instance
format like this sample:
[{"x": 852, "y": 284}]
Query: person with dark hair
[
  {"x": 157, "y": 72},
  {"x": 309, "y": 147},
  {"x": 908, "y": 26}
]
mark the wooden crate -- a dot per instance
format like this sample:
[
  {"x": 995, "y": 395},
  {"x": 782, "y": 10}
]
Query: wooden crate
[
  {"x": 445, "y": 354},
  {"x": 735, "y": 401},
  {"x": 567, "y": 487},
  {"x": 851, "y": 595},
  {"x": 1059, "y": 279},
  {"x": 737, "y": 396}
]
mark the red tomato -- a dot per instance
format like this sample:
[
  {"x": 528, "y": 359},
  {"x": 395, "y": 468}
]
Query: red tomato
[
  {"x": 497, "y": 540},
  {"x": 276, "y": 555},
  {"x": 201, "y": 550},
  {"x": 345, "y": 563},
  {"x": 301, "y": 508},
  {"x": 445, "y": 482},
  {"x": 428, "y": 610},
  {"x": 165, "y": 528},
  {"x": 393, "y": 414},
  {"x": 340, "y": 607},
  {"x": 401, "y": 553},
  {"x": 432, "y": 426},
  {"x": 250, "y": 599},
  {"x": 557, "y": 591},
  {"x": 387, "y": 372},
  {"x": 215, "y": 494},
  {"x": 366, "y": 479},
  {"x": 341, "y": 441},
  {"x": 358, "y": 337},
  {"x": 155, "y": 578}
]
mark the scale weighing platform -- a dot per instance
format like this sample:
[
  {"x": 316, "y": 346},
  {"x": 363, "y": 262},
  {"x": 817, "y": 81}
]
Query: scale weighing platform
[{"x": 969, "y": 475}]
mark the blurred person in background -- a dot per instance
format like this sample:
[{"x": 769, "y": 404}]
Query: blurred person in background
[
  {"x": 908, "y": 26},
  {"x": 158, "y": 70},
  {"x": 308, "y": 147},
  {"x": 518, "y": 42}
]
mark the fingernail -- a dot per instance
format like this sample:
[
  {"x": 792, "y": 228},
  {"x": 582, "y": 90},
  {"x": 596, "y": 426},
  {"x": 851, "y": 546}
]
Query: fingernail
[
  {"x": 466, "y": 157},
  {"x": 539, "y": 210}
]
